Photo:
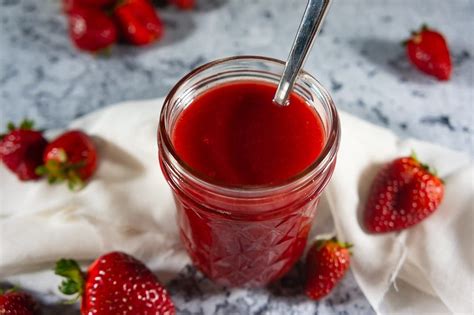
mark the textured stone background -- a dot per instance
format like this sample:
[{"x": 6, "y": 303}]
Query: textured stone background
[{"x": 358, "y": 57}]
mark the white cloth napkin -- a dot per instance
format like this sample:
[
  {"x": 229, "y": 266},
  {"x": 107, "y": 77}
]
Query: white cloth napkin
[{"x": 128, "y": 206}]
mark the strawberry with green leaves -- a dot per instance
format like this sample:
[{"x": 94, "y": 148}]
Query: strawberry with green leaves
[
  {"x": 116, "y": 283},
  {"x": 71, "y": 157},
  {"x": 21, "y": 150},
  {"x": 403, "y": 193},
  {"x": 326, "y": 263}
]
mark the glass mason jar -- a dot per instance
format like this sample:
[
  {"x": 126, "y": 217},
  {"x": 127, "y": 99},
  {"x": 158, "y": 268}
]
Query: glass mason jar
[{"x": 245, "y": 235}]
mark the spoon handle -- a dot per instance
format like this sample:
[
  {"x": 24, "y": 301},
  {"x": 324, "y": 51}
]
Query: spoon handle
[{"x": 310, "y": 25}]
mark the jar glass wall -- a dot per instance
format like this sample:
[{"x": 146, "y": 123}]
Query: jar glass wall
[{"x": 245, "y": 235}]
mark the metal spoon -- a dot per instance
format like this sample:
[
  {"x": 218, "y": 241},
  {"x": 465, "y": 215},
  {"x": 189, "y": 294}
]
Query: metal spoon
[{"x": 310, "y": 25}]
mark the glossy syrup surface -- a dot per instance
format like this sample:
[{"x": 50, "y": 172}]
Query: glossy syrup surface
[{"x": 234, "y": 134}]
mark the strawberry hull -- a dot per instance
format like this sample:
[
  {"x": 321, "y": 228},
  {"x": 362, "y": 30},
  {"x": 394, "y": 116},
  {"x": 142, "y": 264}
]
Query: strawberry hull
[{"x": 71, "y": 157}]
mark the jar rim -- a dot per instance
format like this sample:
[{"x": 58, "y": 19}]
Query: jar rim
[{"x": 327, "y": 155}]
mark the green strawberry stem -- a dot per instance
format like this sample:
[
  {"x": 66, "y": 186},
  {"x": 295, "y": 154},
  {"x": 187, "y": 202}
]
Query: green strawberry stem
[
  {"x": 74, "y": 282},
  {"x": 105, "y": 52},
  {"x": 423, "y": 27},
  {"x": 62, "y": 170},
  {"x": 322, "y": 242},
  {"x": 11, "y": 126},
  {"x": 11, "y": 290},
  {"x": 427, "y": 167},
  {"x": 26, "y": 124},
  {"x": 414, "y": 34}
]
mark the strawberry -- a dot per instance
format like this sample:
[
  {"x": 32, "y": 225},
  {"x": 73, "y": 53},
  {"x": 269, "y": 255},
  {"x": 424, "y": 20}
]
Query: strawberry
[
  {"x": 326, "y": 263},
  {"x": 115, "y": 283},
  {"x": 138, "y": 21},
  {"x": 71, "y": 157},
  {"x": 13, "y": 302},
  {"x": 184, "y": 4},
  {"x": 21, "y": 150},
  {"x": 69, "y": 5},
  {"x": 403, "y": 193},
  {"x": 428, "y": 51},
  {"x": 91, "y": 29}
]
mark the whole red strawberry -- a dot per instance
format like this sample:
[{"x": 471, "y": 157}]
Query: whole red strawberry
[
  {"x": 138, "y": 21},
  {"x": 71, "y": 157},
  {"x": 21, "y": 150},
  {"x": 403, "y": 193},
  {"x": 115, "y": 283},
  {"x": 326, "y": 263},
  {"x": 428, "y": 51},
  {"x": 184, "y": 4},
  {"x": 91, "y": 29},
  {"x": 68, "y": 5},
  {"x": 17, "y": 303}
]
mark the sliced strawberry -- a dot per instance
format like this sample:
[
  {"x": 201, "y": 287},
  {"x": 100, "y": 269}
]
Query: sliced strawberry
[
  {"x": 91, "y": 29},
  {"x": 115, "y": 283},
  {"x": 21, "y": 150},
  {"x": 71, "y": 157},
  {"x": 138, "y": 21}
]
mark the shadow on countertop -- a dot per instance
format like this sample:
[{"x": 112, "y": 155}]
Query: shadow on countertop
[{"x": 389, "y": 56}]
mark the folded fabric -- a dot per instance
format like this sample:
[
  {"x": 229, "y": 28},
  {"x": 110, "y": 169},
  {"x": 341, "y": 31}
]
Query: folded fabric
[
  {"x": 433, "y": 260},
  {"x": 128, "y": 206}
]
